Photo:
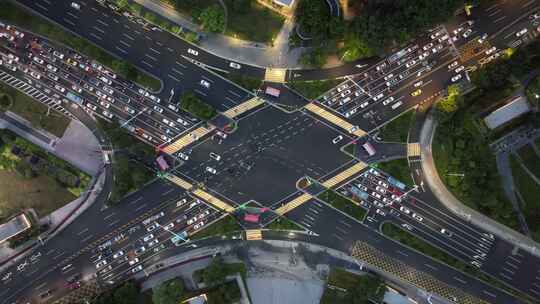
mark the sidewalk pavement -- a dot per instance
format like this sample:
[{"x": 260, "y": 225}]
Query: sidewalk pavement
[
  {"x": 248, "y": 52},
  {"x": 453, "y": 204}
]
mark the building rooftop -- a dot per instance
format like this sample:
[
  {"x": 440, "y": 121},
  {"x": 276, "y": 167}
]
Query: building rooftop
[
  {"x": 515, "y": 108},
  {"x": 13, "y": 227}
]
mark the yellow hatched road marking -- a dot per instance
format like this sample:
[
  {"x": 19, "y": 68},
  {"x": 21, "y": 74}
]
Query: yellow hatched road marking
[
  {"x": 293, "y": 204},
  {"x": 344, "y": 175},
  {"x": 413, "y": 149},
  {"x": 187, "y": 139},
  {"x": 243, "y": 107},
  {"x": 180, "y": 182},
  {"x": 207, "y": 197},
  {"x": 253, "y": 235},
  {"x": 275, "y": 75},
  {"x": 378, "y": 259},
  {"x": 331, "y": 117}
]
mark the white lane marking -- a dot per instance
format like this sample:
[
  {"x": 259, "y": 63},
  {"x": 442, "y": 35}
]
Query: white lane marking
[
  {"x": 82, "y": 231},
  {"x": 96, "y": 36},
  {"x": 68, "y": 21},
  {"x": 147, "y": 37},
  {"x": 136, "y": 200},
  {"x": 109, "y": 216},
  {"x": 129, "y": 37},
  {"x": 155, "y": 51},
  {"x": 102, "y": 22},
  {"x": 234, "y": 93},
  {"x": 499, "y": 19},
  {"x": 72, "y": 15},
  {"x": 121, "y": 50},
  {"x": 337, "y": 236},
  {"x": 148, "y": 64},
  {"x": 86, "y": 238},
  {"x": 151, "y": 57},
  {"x": 98, "y": 29},
  {"x": 47, "y": 1},
  {"x": 169, "y": 49},
  {"x": 124, "y": 43},
  {"x": 114, "y": 223},
  {"x": 460, "y": 280},
  {"x": 345, "y": 223},
  {"x": 167, "y": 192},
  {"x": 94, "y": 9},
  {"x": 305, "y": 224},
  {"x": 58, "y": 255},
  {"x": 430, "y": 266},
  {"x": 41, "y": 6},
  {"x": 202, "y": 93},
  {"x": 489, "y": 293},
  {"x": 206, "y": 78},
  {"x": 180, "y": 64},
  {"x": 528, "y": 3},
  {"x": 40, "y": 286},
  {"x": 177, "y": 71},
  {"x": 234, "y": 102},
  {"x": 402, "y": 253},
  {"x": 159, "y": 43},
  {"x": 140, "y": 207},
  {"x": 174, "y": 78}
]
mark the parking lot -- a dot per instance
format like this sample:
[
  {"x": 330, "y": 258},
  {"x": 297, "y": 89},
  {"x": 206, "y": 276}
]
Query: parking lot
[{"x": 269, "y": 150}]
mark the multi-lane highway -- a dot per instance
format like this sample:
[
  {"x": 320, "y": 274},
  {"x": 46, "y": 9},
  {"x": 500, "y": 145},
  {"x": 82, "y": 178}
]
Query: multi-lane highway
[{"x": 270, "y": 150}]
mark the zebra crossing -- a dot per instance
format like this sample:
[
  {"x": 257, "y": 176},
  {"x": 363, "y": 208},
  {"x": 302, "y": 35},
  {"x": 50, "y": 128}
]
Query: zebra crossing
[{"x": 29, "y": 90}]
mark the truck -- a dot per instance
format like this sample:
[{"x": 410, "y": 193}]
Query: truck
[
  {"x": 162, "y": 163},
  {"x": 396, "y": 183},
  {"x": 369, "y": 149},
  {"x": 75, "y": 98},
  {"x": 359, "y": 193}
]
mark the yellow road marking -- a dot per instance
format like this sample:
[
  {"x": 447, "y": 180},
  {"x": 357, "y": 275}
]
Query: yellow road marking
[
  {"x": 333, "y": 118},
  {"x": 275, "y": 75},
  {"x": 243, "y": 107},
  {"x": 413, "y": 149},
  {"x": 187, "y": 139},
  {"x": 253, "y": 235},
  {"x": 293, "y": 204},
  {"x": 343, "y": 175}
]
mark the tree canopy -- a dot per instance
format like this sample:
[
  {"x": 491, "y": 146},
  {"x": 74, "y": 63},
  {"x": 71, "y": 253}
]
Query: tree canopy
[
  {"x": 215, "y": 273},
  {"x": 192, "y": 104},
  {"x": 169, "y": 292},
  {"x": 212, "y": 19}
]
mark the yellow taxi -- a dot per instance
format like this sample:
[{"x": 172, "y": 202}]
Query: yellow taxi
[{"x": 416, "y": 93}]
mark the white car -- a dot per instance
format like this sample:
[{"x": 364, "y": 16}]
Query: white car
[
  {"x": 458, "y": 30},
  {"x": 51, "y": 68},
  {"x": 446, "y": 232},
  {"x": 235, "y": 65},
  {"x": 60, "y": 88},
  {"x": 118, "y": 254},
  {"x": 467, "y": 33},
  {"x": 38, "y": 60},
  {"x": 108, "y": 90},
  {"x": 129, "y": 110},
  {"x": 108, "y": 114},
  {"x": 193, "y": 52},
  {"x": 101, "y": 264},
  {"x": 155, "y": 99},
  {"x": 91, "y": 106},
  {"x": 214, "y": 156},
  {"x": 419, "y": 83},
  {"x": 105, "y": 80},
  {"x": 136, "y": 269},
  {"x": 210, "y": 170},
  {"x": 427, "y": 46},
  {"x": 198, "y": 225},
  {"x": 53, "y": 77},
  {"x": 35, "y": 75},
  {"x": 388, "y": 100},
  {"x": 459, "y": 69},
  {"x": 423, "y": 55},
  {"x": 168, "y": 226},
  {"x": 153, "y": 243},
  {"x": 388, "y": 76},
  {"x": 105, "y": 104},
  {"x": 133, "y": 262},
  {"x": 151, "y": 227},
  {"x": 491, "y": 50},
  {"x": 456, "y": 78},
  {"x": 158, "y": 109},
  {"x": 453, "y": 65},
  {"x": 75, "y": 5},
  {"x": 381, "y": 95},
  {"x": 483, "y": 38},
  {"x": 148, "y": 237},
  {"x": 410, "y": 63},
  {"x": 143, "y": 92},
  {"x": 365, "y": 104},
  {"x": 58, "y": 55},
  {"x": 183, "y": 156},
  {"x": 205, "y": 83},
  {"x": 522, "y": 32},
  {"x": 337, "y": 139},
  {"x": 375, "y": 194},
  {"x": 417, "y": 217},
  {"x": 76, "y": 89},
  {"x": 404, "y": 210}
]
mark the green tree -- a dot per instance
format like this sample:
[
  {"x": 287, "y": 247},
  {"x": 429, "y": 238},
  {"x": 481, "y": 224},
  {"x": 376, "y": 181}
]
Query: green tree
[
  {"x": 150, "y": 17},
  {"x": 212, "y": 19},
  {"x": 169, "y": 292},
  {"x": 452, "y": 101},
  {"x": 122, "y": 3},
  {"x": 192, "y": 104},
  {"x": 215, "y": 273},
  {"x": 316, "y": 57}
]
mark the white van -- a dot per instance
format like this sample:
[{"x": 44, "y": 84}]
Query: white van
[{"x": 396, "y": 105}]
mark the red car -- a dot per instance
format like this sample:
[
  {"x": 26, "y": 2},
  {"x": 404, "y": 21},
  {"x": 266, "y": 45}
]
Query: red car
[{"x": 74, "y": 285}]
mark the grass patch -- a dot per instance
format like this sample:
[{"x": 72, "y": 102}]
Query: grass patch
[
  {"x": 343, "y": 204},
  {"x": 404, "y": 237},
  {"x": 530, "y": 159},
  {"x": 14, "y": 14},
  {"x": 398, "y": 129},
  {"x": 226, "y": 225},
  {"x": 460, "y": 148},
  {"x": 249, "y": 83},
  {"x": 537, "y": 142},
  {"x": 398, "y": 168},
  {"x": 283, "y": 223},
  {"x": 314, "y": 89},
  {"x": 131, "y": 161},
  {"x": 345, "y": 287},
  {"x": 530, "y": 191},
  {"x": 35, "y": 112},
  {"x": 249, "y": 20}
]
